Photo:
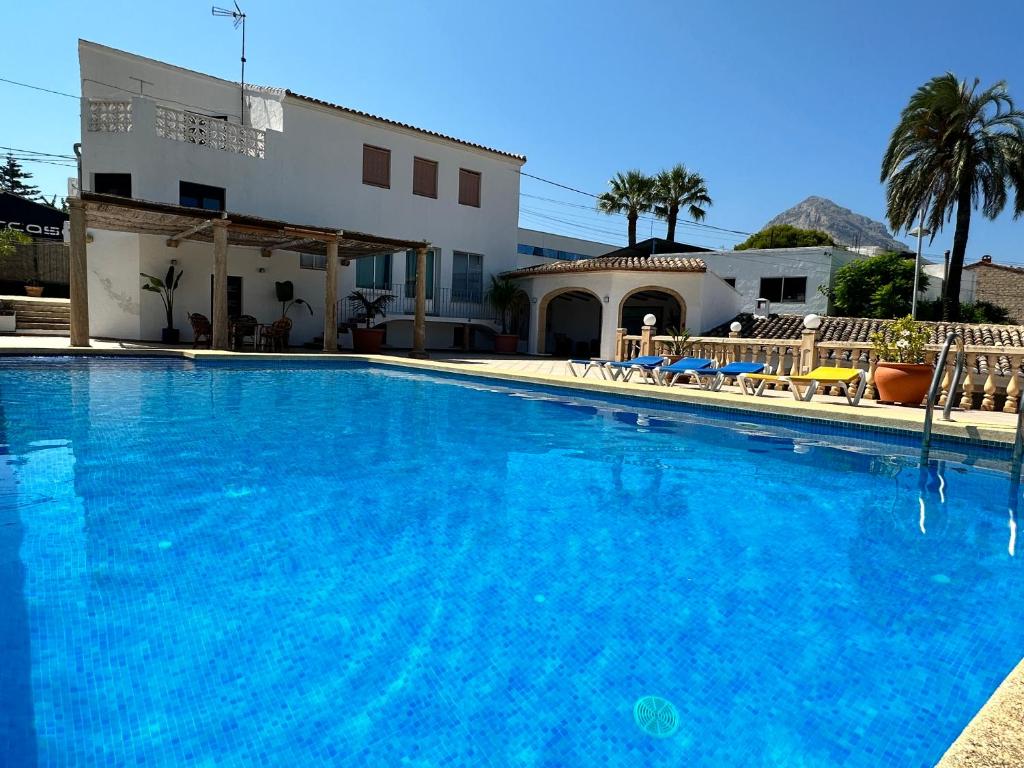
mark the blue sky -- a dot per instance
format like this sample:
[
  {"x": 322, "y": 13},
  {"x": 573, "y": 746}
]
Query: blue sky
[{"x": 771, "y": 102}]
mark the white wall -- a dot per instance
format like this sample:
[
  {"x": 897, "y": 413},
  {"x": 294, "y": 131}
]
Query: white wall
[
  {"x": 936, "y": 273},
  {"x": 748, "y": 267},
  {"x": 312, "y": 172}
]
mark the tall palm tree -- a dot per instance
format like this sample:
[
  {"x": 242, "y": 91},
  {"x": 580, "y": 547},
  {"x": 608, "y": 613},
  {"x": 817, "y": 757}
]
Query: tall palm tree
[
  {"x": 631, "y": 193},
  {"x": 677, "y": 189},
  {"x": 954, "y": 149}
]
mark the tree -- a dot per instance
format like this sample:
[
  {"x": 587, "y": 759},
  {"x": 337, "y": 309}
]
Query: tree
[
  {"x": 786, "y": 236},
  {"x": 953, "y": 150},
  {"x": 9, "y": 238},
  {"x": 881, "y": 286},
  {"x": 631, "y": 193},
  {"x": 13, "y": 178},
  {"x": 680, "y": 189}
]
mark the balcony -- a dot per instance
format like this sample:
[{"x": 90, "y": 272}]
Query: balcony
[
  {"x": 106, "y": 116},
  {"x": 445, "y": 303}
]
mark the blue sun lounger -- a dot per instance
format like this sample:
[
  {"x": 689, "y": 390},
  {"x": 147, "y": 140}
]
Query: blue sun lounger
[
  {"x": 666, "y": 374},
  {"x": 712, "y": 379},
  {"x": 625, "y": 368},
  {"x": 587, "y": 366}
]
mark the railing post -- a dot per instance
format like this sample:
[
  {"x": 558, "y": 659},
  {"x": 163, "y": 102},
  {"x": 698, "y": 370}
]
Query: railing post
[
  {"x": 967, "y": 389},
  {"x": 647, "y": 340},
  {"x": 1012, "y": 388},
  {"x": 988, "y": 402},
  {"x": 620, "y": 344},
  {"x": 808, "y": 349}
]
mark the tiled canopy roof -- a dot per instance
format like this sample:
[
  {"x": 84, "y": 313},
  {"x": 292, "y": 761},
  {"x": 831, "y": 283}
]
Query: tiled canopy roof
[
  {"x": 861, "y": 328},
  {"x": 616, "y": 263}
]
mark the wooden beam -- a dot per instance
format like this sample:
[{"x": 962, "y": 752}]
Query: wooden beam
[
  {"x": 175, "y": 241},
  {"x": 78, "y": 275},
  {"x": 220, "y": 284},
  {"x": 331, "y": 299},
  {"x": 292, "y": 243},
  {"x": 419, "y": 326}
]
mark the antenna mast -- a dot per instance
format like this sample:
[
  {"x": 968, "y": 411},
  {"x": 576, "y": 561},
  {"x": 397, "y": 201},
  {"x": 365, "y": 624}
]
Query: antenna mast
[{"x": 239, "y": 20}]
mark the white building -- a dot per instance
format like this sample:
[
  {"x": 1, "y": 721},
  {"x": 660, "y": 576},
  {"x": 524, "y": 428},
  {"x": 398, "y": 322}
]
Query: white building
[
  {"x": 789, "y": 278},
  {"x": 160, "y": 133},
  {"x": 537, "y": 247}
]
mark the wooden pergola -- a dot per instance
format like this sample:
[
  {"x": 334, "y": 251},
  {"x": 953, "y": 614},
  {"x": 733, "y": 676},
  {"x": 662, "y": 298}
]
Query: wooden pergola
[{"x": 221, "y": 228}]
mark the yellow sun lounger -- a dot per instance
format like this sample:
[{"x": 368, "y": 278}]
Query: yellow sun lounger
[{"x": 850, "y": 381}]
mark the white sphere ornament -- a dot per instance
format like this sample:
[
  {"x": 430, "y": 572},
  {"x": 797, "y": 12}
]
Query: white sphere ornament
[
  {"x": 650, "y": 319},
  {"x": 812, "y": 322},
  {"x": 736, "y": 326}
]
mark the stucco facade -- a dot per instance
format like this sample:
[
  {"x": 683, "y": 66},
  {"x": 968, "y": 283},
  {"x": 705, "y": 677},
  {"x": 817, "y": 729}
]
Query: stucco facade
[{"x": 309, "y": 170}]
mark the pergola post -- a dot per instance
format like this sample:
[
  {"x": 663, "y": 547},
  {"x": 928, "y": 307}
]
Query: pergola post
[
  {"x": 220, "y": 284},
  {"x": 331, "y": 298},
  {"x": 419, "y": 326},
  {"x": 78, "y": 274}
]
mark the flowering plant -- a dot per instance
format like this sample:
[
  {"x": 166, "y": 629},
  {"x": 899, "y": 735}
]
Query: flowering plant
[{"x": 902, "y": 342}]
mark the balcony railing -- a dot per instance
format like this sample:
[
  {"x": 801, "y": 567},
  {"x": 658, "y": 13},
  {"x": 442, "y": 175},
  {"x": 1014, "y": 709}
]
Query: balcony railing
[
  {"x": 442, "y": 302},
  {"x": 110, "y": 116},
  {"x": 211, "y": 132}
]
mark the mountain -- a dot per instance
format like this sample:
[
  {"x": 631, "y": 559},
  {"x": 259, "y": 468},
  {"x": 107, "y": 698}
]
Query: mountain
[{"x": 845, "y": 226}]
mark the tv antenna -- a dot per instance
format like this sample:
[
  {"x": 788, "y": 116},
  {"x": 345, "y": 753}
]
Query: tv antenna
[{"x": 239, "y": 21}]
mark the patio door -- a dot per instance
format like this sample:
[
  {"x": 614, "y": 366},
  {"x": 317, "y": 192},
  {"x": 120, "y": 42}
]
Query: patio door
[
  {"x": 234, "y": 296},
  {"x": 410, "y": 274}
]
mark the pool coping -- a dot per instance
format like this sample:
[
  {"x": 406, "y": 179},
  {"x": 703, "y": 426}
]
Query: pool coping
[
  {"x": 994, "y": 738},
  {"x": 901, "y": 421}
]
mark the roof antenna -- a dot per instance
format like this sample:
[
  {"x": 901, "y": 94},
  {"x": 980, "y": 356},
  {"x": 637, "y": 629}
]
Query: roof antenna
[{"x": 239, "y": 18}]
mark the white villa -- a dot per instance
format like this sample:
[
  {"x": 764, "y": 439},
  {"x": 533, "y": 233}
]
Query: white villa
[{"x": 333, "y": 199}]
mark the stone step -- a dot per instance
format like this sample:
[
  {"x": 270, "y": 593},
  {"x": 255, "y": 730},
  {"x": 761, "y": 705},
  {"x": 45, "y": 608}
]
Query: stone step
[
  {"x": 57, "y": 318},
  {"x": 35, "y": 325}
]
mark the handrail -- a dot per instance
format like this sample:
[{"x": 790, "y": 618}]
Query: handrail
[{"x": 940, "y": 368}]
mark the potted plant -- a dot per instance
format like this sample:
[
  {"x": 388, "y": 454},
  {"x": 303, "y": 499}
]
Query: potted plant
[
  {"x": 33, "y": 288},
  {"x": 166, "y": 288},
  {"x": 901, "y": 375},
  {"x": 507, "y": 299},
  {"x": 368, "y": 340},
  {"x": 677, "y": 347},
  {"x": 7, "y": 319}
]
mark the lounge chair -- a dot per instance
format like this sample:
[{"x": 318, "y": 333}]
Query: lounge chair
[
  {"x": 712, "y": 379},
  {"x": 846, "y": 379},
  {"x": 625, "y": 368},
  {"x": 587, "y": 366},
  {"x": 667, "y": 374}
]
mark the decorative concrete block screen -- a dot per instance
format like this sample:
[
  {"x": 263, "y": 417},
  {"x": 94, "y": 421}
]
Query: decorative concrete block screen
[
  {"x": 211, "y": 132},
  {"x": 110, "y": 116}
]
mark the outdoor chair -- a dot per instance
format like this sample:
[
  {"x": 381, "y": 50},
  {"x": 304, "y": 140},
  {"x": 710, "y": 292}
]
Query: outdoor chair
[
  {"x": 202, "y": 331},
  {"x": 668, "y": 374},
  {"x": 624, "y": 369},
  {"x": 850, "y": 381},
  {"x": 243, "y": 327},
  {"x": 587, "y": 366},
  {"x": 275, "y": 337},
  {"x": 712, "y": 379}
]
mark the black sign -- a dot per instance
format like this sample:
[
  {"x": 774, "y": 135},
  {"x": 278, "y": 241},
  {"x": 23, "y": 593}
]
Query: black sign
[{"x": 36, "y": 220}]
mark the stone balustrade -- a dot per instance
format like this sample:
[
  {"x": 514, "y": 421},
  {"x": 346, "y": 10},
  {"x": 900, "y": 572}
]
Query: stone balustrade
[{"x": 991, "y": 379}]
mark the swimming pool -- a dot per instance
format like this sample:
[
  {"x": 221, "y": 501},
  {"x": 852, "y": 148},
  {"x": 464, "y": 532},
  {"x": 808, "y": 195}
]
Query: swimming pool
[{"x": 234, "y": 564}]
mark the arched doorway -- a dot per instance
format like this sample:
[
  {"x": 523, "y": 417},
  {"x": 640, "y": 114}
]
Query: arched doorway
[
  {"x": 664, "y": 303},
  {"x": 569, "y": 323}
]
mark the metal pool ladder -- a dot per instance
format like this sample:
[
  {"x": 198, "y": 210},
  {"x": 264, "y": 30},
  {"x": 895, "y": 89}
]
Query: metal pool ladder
[{"x": 933, "y": 390}]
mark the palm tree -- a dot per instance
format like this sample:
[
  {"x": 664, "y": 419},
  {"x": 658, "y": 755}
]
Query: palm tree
[
  {"x": 954, "y": 149},
  {"x": 677, "y": 189},
  {"x": 630, "y": 193}
]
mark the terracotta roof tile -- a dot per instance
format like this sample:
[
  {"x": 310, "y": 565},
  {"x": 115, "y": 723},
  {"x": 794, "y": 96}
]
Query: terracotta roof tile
[{"x": 613, "y": 263}]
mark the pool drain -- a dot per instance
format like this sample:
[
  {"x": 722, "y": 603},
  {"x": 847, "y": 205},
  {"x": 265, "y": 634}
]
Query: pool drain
[{"x": 656, "y": 716}]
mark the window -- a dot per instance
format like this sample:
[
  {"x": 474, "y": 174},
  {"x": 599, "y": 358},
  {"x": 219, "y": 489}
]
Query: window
[
  {"x": 548, "y": 253},
  {"x": 469, "y": 188},
  {"x": 730, "y": 280},
  {"x": 410, "y": 274},
  {"x": 787, "y": 290},
  {"x": 312, "y": 261},
  {"x": 467, "y": 277},
  {"x": 424, "y": 177},
  {"x": 374, "y": 271},
  {"x": 376, "y": 166},
  {"x": 193, "y": 195},
  {"x": 112, "y": 184}
]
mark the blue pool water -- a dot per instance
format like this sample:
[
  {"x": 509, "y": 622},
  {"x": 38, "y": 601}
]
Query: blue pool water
[{"x": 214, "y": 564}]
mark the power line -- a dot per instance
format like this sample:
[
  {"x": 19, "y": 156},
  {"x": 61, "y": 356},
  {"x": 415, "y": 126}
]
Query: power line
[
  {"x": 36, "y": 152},
  {"x": 38, "y": 88}
]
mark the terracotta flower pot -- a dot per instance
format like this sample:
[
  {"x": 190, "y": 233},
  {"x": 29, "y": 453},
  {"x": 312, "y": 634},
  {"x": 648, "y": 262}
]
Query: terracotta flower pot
[
  {"x": 506, "y": 343},
  {"x": 367, "y": 341},
  {"x": 34, "y": 290},
  {"x": 905, "y": 383}
]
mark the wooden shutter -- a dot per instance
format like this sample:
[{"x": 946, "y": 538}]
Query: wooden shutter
[
  {"x": 424, "y": 177},
  {"x": 376, "y": 166},
  {"x": 469, "y": 188}
]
